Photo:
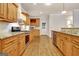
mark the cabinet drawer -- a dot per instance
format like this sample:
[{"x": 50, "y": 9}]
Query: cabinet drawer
[
  {"x": 11, "y": 50},
  {"x": 76, "y": 39},
  {"x": 9, "y": 44},
  {"x": 8, "y": 40},
  {"x": 75, "y": 50}
]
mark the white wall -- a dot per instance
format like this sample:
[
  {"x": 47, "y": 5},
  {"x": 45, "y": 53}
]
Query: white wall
[
  {"x": 44, "y": 18},
  {"x": 76, "y": 18},
  {"x": 56, "y": 22}
]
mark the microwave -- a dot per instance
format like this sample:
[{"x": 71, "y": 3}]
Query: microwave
[{"x": 15, "y": 29}]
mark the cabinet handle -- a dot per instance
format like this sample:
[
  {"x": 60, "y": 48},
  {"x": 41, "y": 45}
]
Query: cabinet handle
[
  {"x": 76, "y": 46},
  {"x": 75, "y": 42}
]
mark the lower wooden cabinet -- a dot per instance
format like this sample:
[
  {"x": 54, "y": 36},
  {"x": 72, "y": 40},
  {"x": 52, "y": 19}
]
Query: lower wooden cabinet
[
  {"x": 21, "y": 43},
  {"x": 67, "y": 47},
  {"x": 0, "y": 45},
  {"x": 14, "y": 45},
  {"x": 75, "y": 46},
  {"x": 58, "y": 41},
  {"x": 11, "y": 50},
  {"x": 67, "y": 44},
  {"x": 34, "y": 33},
  {"x": 75, "y": 50}
]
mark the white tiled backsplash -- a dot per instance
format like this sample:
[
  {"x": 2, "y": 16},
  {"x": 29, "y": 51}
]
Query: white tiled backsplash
[{"x": 6, "y": 27}]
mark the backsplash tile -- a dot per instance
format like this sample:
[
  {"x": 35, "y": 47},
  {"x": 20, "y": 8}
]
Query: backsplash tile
[
  {"x": 3, "y": 27},
  {"x": 6, "y": 27}
]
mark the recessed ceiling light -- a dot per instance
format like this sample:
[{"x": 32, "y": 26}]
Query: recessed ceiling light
[
  {"x": 47, "y": 4},
  {"x": 63, "y": 12}
]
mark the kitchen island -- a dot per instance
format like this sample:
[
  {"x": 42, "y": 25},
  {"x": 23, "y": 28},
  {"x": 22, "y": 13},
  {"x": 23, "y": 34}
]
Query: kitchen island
[
  {"x": 12, "y": 43},
  {"x": 67, "y": 43}
]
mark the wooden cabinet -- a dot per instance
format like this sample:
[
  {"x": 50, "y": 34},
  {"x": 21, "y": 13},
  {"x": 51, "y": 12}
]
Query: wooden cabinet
[
  {"x": 8, "y": 12},
  {"x": 14, "y": 45},
  {"x": 75, "y": 49},
  {"x": 67, "y": 46},
  {"x": 35, "y": 21},
  {"x": 0, "y": 45},
  {"x": 3, "y": 10},
  {"x": 75, "y": 46},
  {"x": 58, "y": 40},
  {"x": 11, "y": 50},
  {"x": 9, "y": 46},
  {"x": 64, "y": 43},
  {"x": 21, "y": 43},
  {"x": 12, "y": 12},
  {"x": 26, "y": 18},
  {"x": 34, "y": 33}
]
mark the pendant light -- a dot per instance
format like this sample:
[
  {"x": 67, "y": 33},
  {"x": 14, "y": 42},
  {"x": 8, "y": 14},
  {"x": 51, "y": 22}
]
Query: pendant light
[{"x": 63, "y": 11}]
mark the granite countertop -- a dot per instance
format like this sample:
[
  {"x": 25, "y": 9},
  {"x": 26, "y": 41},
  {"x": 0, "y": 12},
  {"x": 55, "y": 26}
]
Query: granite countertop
[
  {"x": 74, "y": 34},
  {"x": 8, "y": 34}
]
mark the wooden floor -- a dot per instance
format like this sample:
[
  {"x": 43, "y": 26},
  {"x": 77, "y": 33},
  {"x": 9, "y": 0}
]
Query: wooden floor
[{"x": 41, "y": 46}]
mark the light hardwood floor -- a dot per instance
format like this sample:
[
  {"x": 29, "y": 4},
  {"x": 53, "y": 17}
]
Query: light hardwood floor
[{"x": 41, "y": 46}]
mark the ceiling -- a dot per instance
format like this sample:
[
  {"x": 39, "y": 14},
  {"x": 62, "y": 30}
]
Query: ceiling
[{"x": 34, "y": 10}]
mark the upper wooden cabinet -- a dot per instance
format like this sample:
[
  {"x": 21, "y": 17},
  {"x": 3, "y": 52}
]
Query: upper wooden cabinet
[
  {"x": 3, "y": 10},
  {"x": 26, "y": 18},
  {"x": 12, "y": 12},
  {"x": 35, "y": 21},
  {"x": 8, "y": 12}
]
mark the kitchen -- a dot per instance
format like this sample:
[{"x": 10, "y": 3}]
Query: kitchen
[
  {"x": 37, "y": 28},
  {"x": 14, "y": 26}
]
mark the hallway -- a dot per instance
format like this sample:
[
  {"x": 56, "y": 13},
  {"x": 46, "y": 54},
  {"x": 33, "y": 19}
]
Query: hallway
[{"x": 41, "y": 46}]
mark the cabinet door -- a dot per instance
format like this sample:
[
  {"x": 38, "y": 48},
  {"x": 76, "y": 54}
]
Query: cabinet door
[
  {"x": 58, "y": 40},
  {"x": 21, "y": 43},
  {"x": 1, "y": 10},
  {"x": 67, "y": 48},
  {"x": 0, "y": 45},
  {"x": 5, "y": 10},
  {"x": 11, "y": 50},
  {"x": 37, "y": 22},
  {"x": 14, "y": 13},
  {"x": 75, "y": 50},
  {"x": 27, "y": 20},
  {"x": 10, "y": 46},
  {"x": 10, "y": 12}
]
